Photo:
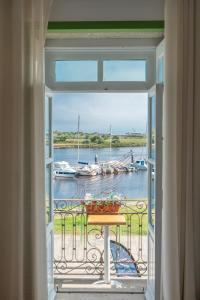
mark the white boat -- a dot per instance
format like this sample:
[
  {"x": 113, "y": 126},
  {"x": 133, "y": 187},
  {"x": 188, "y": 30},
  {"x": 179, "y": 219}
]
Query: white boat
[
  {"x": 88, "y": 170},
  {"x": 62, "y": 169},
  {"x": 106, "y": 168},
  {"x": 139, "y": 164},
  {"x": 119, "y": 166}
]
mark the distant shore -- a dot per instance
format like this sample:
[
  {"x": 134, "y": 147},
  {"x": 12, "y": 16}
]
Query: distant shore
[
  {"x": 67, "y": 146},
  {"x": 96, "y": 140}
]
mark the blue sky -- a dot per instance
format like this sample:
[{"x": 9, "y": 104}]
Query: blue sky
[
  {"x": 125, "y": 112},
  {"x": 75, "y": 71},
  {"x": 83, "y": 71}
]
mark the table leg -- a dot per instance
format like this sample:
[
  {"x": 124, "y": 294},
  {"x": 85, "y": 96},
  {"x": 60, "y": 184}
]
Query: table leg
[{"x": 106, "y": 254}]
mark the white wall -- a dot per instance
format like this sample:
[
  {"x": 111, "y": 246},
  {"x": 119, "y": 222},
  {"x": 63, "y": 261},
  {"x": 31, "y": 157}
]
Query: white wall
[{"x": 107, "y": 10}]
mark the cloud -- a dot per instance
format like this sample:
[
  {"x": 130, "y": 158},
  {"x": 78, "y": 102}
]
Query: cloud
[{"x": 124, "y": 111}]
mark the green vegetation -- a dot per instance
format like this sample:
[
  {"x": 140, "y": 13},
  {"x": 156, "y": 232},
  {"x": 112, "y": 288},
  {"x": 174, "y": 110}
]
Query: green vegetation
[
  {"x": 96, "y": 140},
  {"x": 135, "y": 218}
]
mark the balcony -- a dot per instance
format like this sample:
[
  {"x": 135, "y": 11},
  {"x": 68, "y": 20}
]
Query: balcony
[{"x": 79, "y": 250}]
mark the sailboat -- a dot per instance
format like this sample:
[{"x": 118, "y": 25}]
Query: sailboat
[{"x": 86, "y": 169}]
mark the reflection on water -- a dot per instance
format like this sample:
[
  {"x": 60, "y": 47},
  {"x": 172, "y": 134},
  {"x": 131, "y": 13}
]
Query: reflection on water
[{"x": 132, "y": 185}]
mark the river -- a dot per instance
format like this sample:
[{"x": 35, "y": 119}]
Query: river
[{"x": 133, "y": 185}]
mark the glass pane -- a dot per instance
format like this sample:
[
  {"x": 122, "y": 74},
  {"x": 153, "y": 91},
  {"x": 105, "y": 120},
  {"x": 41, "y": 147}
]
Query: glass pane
[
  {"x": 153, "y": 128},
  {"x": 161, "y": 69},
  {"x": 48, "y": 193},
  {"x": 76, "y": 71},
  {"x": 50, "y": 262},
  {"x": 47, "y": 128},
  {"x": 152, "y": 195},
  {"x": 124, "y": 70}
]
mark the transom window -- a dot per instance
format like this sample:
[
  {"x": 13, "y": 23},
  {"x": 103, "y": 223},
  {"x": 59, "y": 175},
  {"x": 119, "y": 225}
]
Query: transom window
[
  {"x": 124, "y": 70},
  {"x": 100, "y": 69},
  {"x": 76, "y": 71}
]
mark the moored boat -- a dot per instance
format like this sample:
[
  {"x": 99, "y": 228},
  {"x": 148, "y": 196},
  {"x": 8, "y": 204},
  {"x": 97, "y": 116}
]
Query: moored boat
[
  {"x": 88, "y": 170},
  {"x": 62, "y": 169},
  {"x": 139, "y": 164}
]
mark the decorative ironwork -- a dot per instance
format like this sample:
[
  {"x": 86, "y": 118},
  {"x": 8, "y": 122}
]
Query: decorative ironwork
[{"x": 78, "y": 247}]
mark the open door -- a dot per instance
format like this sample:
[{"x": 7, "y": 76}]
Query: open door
[
  {"x": 49, "y": 193},
  {"x": 154, "y": 190}
]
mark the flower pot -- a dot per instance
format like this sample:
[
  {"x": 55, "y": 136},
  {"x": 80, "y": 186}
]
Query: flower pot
[{"x": 96, "y": 208}]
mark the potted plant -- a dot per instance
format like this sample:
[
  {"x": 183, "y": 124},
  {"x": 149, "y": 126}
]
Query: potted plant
[{"x": 102, "y": 206}]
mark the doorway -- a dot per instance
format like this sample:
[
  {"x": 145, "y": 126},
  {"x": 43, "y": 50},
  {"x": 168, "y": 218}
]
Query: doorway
[
  {"x": 99, "y": 64},
  {"x": 105, "y": 157}
]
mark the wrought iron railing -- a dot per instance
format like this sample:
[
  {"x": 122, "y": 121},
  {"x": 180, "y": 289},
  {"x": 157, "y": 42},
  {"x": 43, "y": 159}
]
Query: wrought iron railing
[{"x": 78, "y": 247}]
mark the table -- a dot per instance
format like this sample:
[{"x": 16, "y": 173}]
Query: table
[{"x": 106, "y": 221}]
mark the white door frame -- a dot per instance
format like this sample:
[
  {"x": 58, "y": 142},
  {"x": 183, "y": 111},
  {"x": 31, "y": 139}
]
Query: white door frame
[
  {"x": 155, "y": 230},
  {"x": 118, "y": 87},
  {"x": 49, "y": 198}
]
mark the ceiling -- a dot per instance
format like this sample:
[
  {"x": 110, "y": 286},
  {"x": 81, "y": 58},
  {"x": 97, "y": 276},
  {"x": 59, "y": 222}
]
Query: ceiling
[{"x": 107, "y": 10}]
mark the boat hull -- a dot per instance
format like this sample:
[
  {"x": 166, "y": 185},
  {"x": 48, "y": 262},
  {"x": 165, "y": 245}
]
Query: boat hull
[
  {"x": 64, "y": 176},
  {"x": 58, "y": 174},
  {"x": 85, "y": 173}
]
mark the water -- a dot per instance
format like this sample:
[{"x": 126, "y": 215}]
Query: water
[{"x": 132, "y": 185}]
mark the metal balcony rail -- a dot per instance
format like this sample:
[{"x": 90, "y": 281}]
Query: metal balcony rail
[{"x": 78, "y": 247}]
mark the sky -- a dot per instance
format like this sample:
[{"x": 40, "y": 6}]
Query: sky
[
  {"x": 83, "y": 71},
  {"x": 124, "y": 112}
]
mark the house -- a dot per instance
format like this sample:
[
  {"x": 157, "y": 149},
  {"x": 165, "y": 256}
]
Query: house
[{"x": 22, "y": 220}]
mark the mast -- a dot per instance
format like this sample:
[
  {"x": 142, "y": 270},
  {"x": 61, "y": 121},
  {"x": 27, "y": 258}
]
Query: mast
[
  {"x": 78, "y": 137},
  {"x": 110, "y": 138}
]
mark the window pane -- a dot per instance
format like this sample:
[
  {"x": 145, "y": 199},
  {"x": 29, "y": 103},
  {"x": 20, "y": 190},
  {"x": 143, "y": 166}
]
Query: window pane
[
  {"x": 152, "y": 196},
  {"x": 50, "y": 278},
  {"x": 47, "y": 128},
  {"x": 48, "y": 193},
  {"x": 124, "y": 70},
  {"x": 160, "y": 69},
  {"x": 76, "y": 71},
  {"x": 153, "y": 128}
]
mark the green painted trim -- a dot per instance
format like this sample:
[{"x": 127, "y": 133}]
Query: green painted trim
[{"x": 107, "y": 26}]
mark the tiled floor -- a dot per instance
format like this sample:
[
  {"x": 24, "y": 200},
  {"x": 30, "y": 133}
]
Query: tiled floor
[
  {"x": 130, "y": 289},
  {"x": 100, "y": 296}
]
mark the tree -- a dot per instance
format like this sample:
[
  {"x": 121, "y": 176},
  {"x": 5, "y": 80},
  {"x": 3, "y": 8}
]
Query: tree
[
  {"x": 115, "y": 140},
  {"x": 96, "y": 139}
]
